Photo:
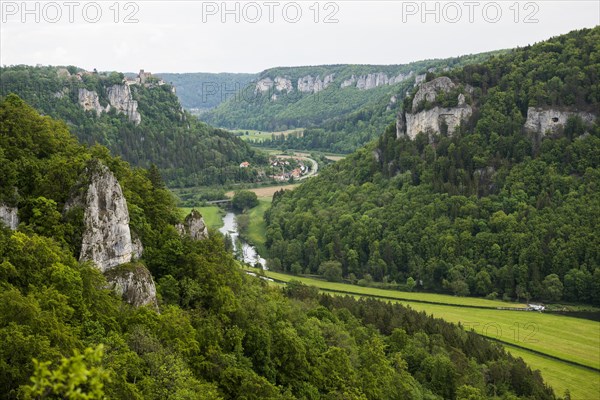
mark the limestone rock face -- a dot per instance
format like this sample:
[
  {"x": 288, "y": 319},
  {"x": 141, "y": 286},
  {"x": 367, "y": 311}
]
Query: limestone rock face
[
  {"x": 120, "y": 98},
  {"x": 348, "y": 82},
  {"x": 9, "y": 216},
  {"x": 420, "y": 78},
  {"x": 106, "y": 237},
  {"x": 89, "y": 101},
  {"x": 371, "y": 81},
  {"x": 550, "y": 121},
  {"x": 429, "y": 90},
  {"x": 310, "y": 84},
  {"x": 280, "y": 84},
  {"x": 193, "y": 226},
  {"x": 433, "y": 120},
  {"x": 134, "y": 284},
  {"x": 264, "y": 85},
  {"x": 400, "y": 78},
  {"x": 283, "y": 84}
]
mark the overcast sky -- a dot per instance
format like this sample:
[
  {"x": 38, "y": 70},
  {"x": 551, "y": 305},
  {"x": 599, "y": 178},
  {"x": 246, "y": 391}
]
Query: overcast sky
[{"x": 201, "y": 36}]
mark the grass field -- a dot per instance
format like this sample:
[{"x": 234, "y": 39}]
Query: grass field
[
  {"x": 430, "y": 297},
  {"x": 554, "y": 335},
  {"x": 582, "y": 383},
  {"x": 568, "y": 338},
  {"x": 213, "y": 215}
]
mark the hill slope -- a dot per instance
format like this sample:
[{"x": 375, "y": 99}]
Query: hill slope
[
  {"x": 349, "y": 104},
  {"x": 142, "y": 122},
  {"x": 487, "y": 184},
  {"x": 220, "y": 334},
  {"x": 202, "y": 91}
]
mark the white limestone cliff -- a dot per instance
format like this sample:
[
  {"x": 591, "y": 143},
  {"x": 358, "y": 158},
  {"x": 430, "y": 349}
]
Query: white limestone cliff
[
  {"x": 119, "y": 96},
  {"x": 90, "y": 102},
  {"x": 9, "y": 216},
  {"x": 436, "y": 119},
  {"x": 371, "y": 81},
  {"x": 283, "y": 84},
  {"x": 263, "y": 85},
  {"x": 310, "y": 84},
  {"x": 548, "y": 121}
]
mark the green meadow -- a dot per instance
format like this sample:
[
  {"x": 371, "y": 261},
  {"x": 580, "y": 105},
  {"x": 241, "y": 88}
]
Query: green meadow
[{"x": 553, "y": 337}]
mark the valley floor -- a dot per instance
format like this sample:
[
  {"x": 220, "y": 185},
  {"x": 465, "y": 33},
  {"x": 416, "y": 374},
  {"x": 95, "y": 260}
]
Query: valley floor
[{"x": 565, "y": 349}]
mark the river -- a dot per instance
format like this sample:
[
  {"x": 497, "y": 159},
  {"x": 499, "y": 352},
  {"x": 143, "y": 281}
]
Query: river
[{"x": 248, "y": 253}]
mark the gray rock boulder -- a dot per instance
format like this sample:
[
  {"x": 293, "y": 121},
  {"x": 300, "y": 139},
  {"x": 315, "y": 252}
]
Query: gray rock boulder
[
  {"x": 106, "y": 235},
  {"x": 9, "y": 216},
  {"x": 134, "y": 284},
  {"x": 193, "y": 226}
]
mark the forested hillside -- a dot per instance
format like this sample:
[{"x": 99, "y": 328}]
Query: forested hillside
[
  {"x": 149, "y": 128},
  {"x": 342, "y": 106},
  {"x": 496, "y": 209},
  {"x": 202, "y": 91},
  {"x": 220, "y": 334}
]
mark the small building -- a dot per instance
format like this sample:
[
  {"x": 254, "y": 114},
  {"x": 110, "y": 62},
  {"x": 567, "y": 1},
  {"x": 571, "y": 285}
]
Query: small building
[{"x": 245, "y": 164}]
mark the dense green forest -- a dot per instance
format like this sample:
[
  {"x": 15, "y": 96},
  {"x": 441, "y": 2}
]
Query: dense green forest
[
  {"x": 186, "y": 151},
  {"x": 220, "y": 334},
  {"x": 491, "y": 211},
  {"x": 202, "y": 91},
  {"x": 337, "y": 119}
]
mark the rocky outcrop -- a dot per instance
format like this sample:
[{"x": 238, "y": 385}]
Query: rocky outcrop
[
  {"x": 283, "y": 84},
  {"x": 432, "y": 121},
  {"x": 106, "y": 235},
  {"x": 437, "y": 119},
  {"x": 90, "y": 102},
  {"x": 371, "y": 81},
  {"x": 193, "y": 226},
  {"x": 310, "y": 84},
  {"x": 134, "y": 284},
  {"x": 400, "y": 78},
  {"x": 9, "y": 216},
  {"x": 119, "y": 96},
  {"x": 550, "y": 121},
  {"x": 263, "y": 85},
  {"x": 430, "y": 90},
  {"x": 280, "y": 84},
  {"x": 348, "y": 82},
  {"x": 420, "y": 79}
]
